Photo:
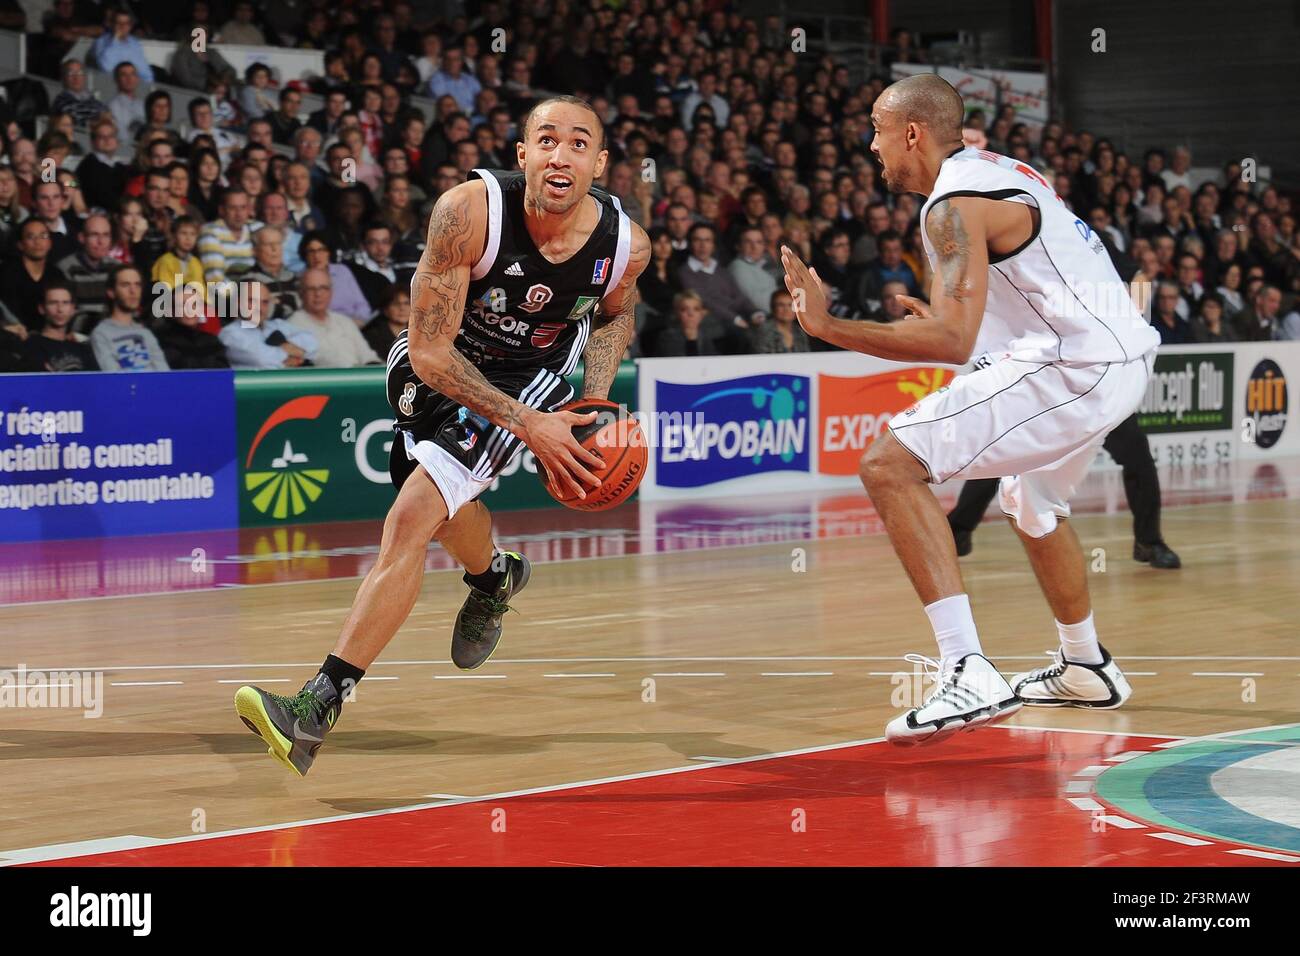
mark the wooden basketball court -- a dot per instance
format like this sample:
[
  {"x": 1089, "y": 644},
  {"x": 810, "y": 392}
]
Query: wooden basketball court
[{"x": 681, "y": 684}]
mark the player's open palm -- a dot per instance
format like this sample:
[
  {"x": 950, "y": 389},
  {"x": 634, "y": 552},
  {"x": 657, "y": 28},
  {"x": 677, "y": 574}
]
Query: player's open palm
[
  {"x": 551, "y": 439},
  {"x": 808, "y": 296}
]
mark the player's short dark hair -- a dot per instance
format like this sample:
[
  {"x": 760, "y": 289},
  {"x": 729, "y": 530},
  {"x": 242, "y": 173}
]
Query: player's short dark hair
[{"x": 572, "y": 101}]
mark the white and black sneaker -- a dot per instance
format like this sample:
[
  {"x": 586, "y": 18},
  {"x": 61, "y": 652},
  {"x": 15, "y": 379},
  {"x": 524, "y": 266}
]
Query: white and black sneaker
[
  {"x": 1064, "y": 683},
  {"x": 968, "y": 694}
]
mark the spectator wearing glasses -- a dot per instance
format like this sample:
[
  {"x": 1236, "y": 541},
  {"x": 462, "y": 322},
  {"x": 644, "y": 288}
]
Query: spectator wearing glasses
[
  {"x": 347, "y": 298},
  {"x": 269, "y": 269},
  {"x": 340, "y": 342},
  {"x": 102, "y": 176},
  {"x": 1173, "y": 328},
  {"x": 83, "y": 105},
  {"x": 267, "y": 342},
  {"x": 23, "y": 277}
]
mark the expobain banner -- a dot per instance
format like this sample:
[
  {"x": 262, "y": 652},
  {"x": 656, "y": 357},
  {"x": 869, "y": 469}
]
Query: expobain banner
[
  {"x": 760, "y": 423},
  {"x": 757, "y": 424}
]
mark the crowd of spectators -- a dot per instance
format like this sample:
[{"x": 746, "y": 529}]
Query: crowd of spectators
[{"x": 724, "y": 144}]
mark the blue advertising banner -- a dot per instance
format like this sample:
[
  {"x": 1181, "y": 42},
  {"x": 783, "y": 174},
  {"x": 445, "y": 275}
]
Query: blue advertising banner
[
  {"x": 90, "y": 455},
  {"x": 731, "y": 428}
]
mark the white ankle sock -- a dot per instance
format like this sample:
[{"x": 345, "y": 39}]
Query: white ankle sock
[
  {"x": 1079, "y": 642},
  {"x": 954, "y": 627}
]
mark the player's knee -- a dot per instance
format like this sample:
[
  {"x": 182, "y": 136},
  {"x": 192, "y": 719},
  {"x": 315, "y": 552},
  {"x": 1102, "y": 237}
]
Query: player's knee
[{"x": 881, "y": 464}]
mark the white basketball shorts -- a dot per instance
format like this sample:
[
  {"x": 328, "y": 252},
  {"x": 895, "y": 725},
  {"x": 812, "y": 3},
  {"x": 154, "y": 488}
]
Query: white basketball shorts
[{"x": 1035, "y": 426}]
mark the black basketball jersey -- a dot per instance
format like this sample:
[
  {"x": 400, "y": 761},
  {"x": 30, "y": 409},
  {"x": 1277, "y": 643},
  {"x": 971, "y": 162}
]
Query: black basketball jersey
[{"x": 523, "y": 312}]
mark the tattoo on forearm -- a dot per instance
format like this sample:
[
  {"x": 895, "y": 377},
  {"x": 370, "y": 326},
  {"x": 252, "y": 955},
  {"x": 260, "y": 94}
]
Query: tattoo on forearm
[
  {"x": 952, "y": 249},
  {"x": 607, "y": 344},
  {"x": 461, "y": 380}
]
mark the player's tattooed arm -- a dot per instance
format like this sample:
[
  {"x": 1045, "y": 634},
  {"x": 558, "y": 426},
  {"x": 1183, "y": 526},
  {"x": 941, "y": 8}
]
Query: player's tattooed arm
[
  {"x": 943, "y": 330},
  {"x": 951, "y": 244},
  {"x": 615, "y": 324},
  {"x": 438, "y": 291}
]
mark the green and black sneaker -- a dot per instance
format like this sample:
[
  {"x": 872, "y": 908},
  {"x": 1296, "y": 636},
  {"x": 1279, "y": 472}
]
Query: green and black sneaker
[
  {"x": 478, "y": 625},
  {"x": 293, "y": 727}
]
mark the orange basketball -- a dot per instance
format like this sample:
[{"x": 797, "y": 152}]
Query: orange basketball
[{"x": 616, "y": 437}]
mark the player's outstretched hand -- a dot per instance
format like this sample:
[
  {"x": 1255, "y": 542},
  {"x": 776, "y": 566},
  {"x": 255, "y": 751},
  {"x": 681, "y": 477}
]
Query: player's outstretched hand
[
  {"x": 916, "y": 309},
  {"x": 806, "y": 292},
  {"x": 550, "y": 436}
]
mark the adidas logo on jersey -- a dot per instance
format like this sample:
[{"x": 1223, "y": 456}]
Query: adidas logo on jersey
[{"x": 515, "y": 269}]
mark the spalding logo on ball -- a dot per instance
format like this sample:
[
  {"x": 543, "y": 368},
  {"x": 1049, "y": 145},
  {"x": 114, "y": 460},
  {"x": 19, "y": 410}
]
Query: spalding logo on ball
[{"x": 616, "y": 437}]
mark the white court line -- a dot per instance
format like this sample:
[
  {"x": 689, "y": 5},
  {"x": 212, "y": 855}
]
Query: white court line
[
  {"x": 145, "y": 683},
  {"x": 1094, "y": 771},
  {"x": 1124, "y": 823},
  {"x": 691, "y": 674},
  {"x": 1086, "y": 803},
  {"x": 1078, "y": 786},
  {"x": 470, "y": 676},
  {"x": 1076, "y": 730},
  {"x": 579, "y": 675},
  {"x": 1228, "y": 734},
  {"x": 797, "y": 674},
  {"x": 1227, "y": 674},
  {"x": 1125, "y": 756},
  {"x": 1265, "y": 855},
  {"x": 1180, "y": 838}
]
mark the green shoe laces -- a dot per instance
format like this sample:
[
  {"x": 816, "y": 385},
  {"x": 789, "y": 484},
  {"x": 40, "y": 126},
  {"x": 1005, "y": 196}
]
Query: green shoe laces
[
  {"x": 304, "y": 705},
  {"x": 479, "y": 609}
]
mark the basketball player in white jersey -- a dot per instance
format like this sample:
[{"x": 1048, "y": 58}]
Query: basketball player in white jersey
[{"x": 1025, "y": 290}]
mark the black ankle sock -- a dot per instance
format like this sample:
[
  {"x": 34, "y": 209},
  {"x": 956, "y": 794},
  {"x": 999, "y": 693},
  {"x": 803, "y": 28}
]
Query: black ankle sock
[
  {"x": 490, "y": 579},
  {"x": 342, "y": 675}
]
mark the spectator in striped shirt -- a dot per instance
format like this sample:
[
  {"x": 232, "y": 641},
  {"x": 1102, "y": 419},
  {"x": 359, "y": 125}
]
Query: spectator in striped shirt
[
  {"x": 87, "y": 270},
  {"x": 75, "y": 99},
  {"x": 269, "y": 269},
  {"x": 226, "y": 243}
]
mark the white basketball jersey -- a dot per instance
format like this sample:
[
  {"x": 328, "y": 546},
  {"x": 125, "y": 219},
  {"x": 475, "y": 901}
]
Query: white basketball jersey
[{"x": 1057, "y": 298}]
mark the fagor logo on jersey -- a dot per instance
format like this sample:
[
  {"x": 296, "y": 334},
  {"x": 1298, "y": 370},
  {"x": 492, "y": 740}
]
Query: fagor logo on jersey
[{"x": 737, "y": 427}]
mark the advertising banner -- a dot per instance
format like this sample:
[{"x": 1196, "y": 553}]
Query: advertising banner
[
  {"x": 1205, "y": 406},
  {"x": 101, "y": 454},
  {"x": 313, "y": 445},
  {"x": 769, "y": 423}
]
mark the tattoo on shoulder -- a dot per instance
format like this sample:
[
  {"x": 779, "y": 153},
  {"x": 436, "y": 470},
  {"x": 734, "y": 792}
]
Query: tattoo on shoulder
[
  {"x": 449, "y": 230},
  {"x": 952, "y": 247}
]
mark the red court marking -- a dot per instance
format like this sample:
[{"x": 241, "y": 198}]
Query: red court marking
[{"x": 992, "y": 797}]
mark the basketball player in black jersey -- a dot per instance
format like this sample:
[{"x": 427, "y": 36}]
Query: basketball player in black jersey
[{"x": 525, "y": 273}]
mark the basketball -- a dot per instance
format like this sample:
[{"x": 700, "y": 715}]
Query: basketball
[{"x": 616, "y": 437}]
